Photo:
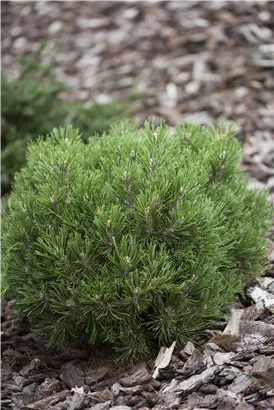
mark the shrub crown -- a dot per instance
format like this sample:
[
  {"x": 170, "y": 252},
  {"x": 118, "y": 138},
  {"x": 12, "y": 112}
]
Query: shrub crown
[{"x": 140, "y": 236}]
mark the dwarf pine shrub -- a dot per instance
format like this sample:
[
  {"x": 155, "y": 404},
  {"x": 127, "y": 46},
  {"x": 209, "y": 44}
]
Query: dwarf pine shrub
[{"x": 139, "y": 237}]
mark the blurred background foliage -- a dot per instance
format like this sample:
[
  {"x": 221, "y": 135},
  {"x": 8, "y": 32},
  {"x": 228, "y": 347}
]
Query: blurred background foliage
[{"x": 32, "y": 106}]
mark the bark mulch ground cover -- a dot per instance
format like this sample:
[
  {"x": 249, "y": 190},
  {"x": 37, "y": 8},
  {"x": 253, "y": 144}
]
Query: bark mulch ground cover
[
  {"x": 232, "y": 367},
  {"x": 198, "y": 61}
]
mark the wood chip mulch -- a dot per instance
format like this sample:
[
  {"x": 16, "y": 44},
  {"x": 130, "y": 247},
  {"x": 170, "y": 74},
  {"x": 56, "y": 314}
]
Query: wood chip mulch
[{"x": 198, "y": 61}]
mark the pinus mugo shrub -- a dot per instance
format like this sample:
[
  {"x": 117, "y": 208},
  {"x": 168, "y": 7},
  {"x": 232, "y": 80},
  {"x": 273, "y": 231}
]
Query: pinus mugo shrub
[{"x": 139, "y": 237}]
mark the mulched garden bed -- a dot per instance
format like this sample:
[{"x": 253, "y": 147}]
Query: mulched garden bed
[{"x": 198, "y": 61}]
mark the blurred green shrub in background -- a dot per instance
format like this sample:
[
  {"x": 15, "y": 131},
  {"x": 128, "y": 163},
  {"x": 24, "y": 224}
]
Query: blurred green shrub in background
[{"x": 32, "y": 106}]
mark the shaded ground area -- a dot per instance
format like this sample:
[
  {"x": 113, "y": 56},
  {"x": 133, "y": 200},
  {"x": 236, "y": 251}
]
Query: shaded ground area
[{"x": 198, "y": 61}]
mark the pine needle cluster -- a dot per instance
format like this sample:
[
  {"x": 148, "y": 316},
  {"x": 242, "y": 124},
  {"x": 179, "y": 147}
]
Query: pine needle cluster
[{"x": 141, "y": 236}]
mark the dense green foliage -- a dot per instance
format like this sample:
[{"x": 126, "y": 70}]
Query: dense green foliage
[
  {"x": 138, "y": 237},
  {"x": 32, "y": 106}
]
